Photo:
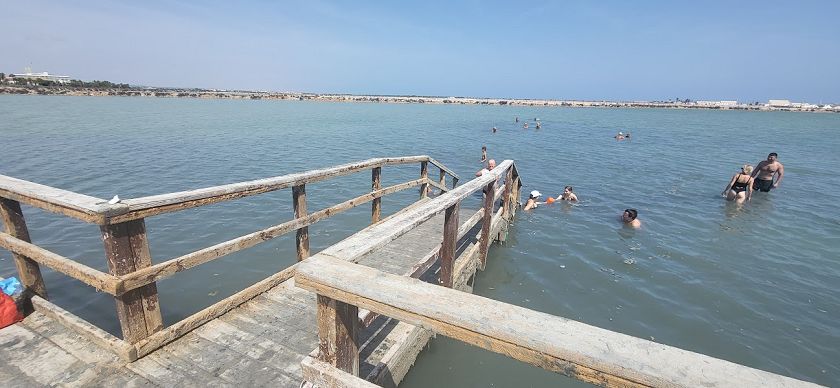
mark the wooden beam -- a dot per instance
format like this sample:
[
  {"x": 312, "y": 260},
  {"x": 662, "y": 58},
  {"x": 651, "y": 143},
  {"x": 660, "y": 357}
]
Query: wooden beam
[
  {"x": 442, "y": 180},
  {"x": 165, "y": 203},
  {"x": 375, "y": 185},
  {"x": 424, "y": 174},
  {"x": 99, "y": 280},
  {"x": 338, "y": 333},
  {"x": 96, "y": 335},
  {"x": 447, "y": 249},
  {"x": 79, "y": 206},
  {"x": 554, "y": 343},
  {"x": 507, "y": 198},
  {"x": 322, "y": 374},
  {"x": 444, "y": 168},
  {"x": 442, "y": 189},
  {"x": 173, "y": 266},
  {"x": 384, "y": 232},
  {"x": 127, "y": 250},
  {"x": 302, "y": 238},
  {"x": 28, "y": 270},
  {"x": 484, "y": 240}
]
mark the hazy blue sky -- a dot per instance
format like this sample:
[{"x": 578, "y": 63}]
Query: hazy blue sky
[{"x": 571, "y": 49}]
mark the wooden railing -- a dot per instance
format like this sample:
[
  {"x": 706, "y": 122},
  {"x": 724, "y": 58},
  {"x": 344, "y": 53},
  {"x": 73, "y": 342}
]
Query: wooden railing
[{"x": 132, "y": 276}]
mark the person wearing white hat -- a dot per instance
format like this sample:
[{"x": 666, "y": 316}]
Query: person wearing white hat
[
  {"x": 620, "y": 136},
  {"x": 532, "y": 200}
]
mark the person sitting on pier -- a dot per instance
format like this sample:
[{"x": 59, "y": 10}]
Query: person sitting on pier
[
  {"x": 532, "y": 200},
  {"x": 740, "y": 187},
  {"x": 491, "y": 164},
  {"x": 630, "y": 218}
]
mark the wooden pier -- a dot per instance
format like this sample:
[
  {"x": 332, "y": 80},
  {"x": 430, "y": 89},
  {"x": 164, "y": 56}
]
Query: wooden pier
[{"x": 355, "y": 314}]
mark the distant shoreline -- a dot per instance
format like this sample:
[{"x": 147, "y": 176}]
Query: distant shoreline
[{"x": 251, "y": 95}]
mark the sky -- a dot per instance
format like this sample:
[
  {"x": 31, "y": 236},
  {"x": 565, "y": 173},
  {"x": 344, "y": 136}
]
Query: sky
[{"x": 584, "y": 50}]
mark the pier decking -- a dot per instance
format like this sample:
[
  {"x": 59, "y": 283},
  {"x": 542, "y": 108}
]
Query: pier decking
[{"x": 261, "y": 342}]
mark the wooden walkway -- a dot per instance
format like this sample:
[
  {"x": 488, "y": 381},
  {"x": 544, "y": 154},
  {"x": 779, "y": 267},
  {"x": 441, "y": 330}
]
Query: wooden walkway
[{"x": 262, "y": 342}]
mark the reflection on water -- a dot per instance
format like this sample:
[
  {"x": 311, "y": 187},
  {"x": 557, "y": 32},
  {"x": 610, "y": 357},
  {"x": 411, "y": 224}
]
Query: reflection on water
[{"x": 753, "y": 283}]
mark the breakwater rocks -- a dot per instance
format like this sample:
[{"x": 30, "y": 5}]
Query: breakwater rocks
[{"x": 263, "y": 95}]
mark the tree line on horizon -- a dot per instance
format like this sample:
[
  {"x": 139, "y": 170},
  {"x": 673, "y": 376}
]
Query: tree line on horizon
[{"x": 74, "y": 83}]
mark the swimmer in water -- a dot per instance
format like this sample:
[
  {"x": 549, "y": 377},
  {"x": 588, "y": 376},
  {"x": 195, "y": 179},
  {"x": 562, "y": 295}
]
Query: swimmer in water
[
  {"x": 740, "y": 187},
  {"x": 765, "y": 171},
  {"x": 495, "y": 129},
  {"x": 539, "y": 125},
  {"x": 620, "y": 136},
  {"x": 630, "y": 217},
  {"x": 483, "y": 154},
  {"x": 532, "y": 200},
  {"x": 525, "y": 126}
]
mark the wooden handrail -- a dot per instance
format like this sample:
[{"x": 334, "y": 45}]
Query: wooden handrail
[
  {"x": 367, "y": 240},
  {"x": 96, "y": 279},
  {"x": 554, "y": 343},
  {"x": 170, "y": 267},
  {"x": 99, "y": 211}
]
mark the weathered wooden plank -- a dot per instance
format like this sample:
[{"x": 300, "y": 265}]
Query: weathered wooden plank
[
  {"x": 444, "y": 168},
  {"x": 323, "y": 374},
  {"x": 507, "y": 198},
  {"x": 442, "y": 180},
  {"x": 376, "y": 184},
  {"x": 78, "y": 345},
  {"x": 166, "y": 370},
  {"x": 338, "y": 334},
  {"x": 302, "y": 237},
  {"x": 186, "y": 325},
  {"x": 84, "y": 328},
  {"x": 438, "y": 186},
  {"x": 127, "y": 250},
  {"x": 572, "y": 348},
  {"x": 424, "y": 175},
  {"x": 484, "y": 240},
  {"x": 34, "y": 356},
  {"x": 68, "y": 203},
  {"x": 99, "y": 280},
  {"x": 29, "y": 273},
  {"x": 164, "y": 203},
  {"x": 173, "y": 266},
  {"x": 380, "y": 234},
  {"x": 447, "y": 249}
]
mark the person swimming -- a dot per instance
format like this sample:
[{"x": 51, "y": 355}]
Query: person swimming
[
  {"x": 620, "y": 136},
  {"x": 630, "y": 217},
  {"x": 525, "y": 126},
  {"x": 532, "y": 200},
  {"x": 740, "y": 187},
  {"x": 567, "y": 195},
  {"x": 484, "y": 153}
]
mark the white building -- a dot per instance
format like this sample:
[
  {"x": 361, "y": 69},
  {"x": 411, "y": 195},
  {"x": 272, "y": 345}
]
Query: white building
[
  {"x": 62, "y": 79},
  {"x": 779, "y": 103}
]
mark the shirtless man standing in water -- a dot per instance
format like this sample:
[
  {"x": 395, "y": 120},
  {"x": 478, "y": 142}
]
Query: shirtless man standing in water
[{"x": 765, "y": 171}]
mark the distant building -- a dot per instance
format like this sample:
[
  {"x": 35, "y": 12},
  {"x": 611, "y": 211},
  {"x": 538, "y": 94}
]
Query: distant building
[
  {"x": 62, "y": 79},
  {"x": 779, "y": 103},
  {"x": 728, "y": 103}
]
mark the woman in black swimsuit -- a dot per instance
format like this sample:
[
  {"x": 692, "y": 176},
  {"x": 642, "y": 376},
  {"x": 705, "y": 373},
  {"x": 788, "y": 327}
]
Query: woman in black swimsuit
[{"x": 740, "y": 186}]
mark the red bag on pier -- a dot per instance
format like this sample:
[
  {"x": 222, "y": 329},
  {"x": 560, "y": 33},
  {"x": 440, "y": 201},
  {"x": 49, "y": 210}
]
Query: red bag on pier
[{"x": 9, "y": 313}]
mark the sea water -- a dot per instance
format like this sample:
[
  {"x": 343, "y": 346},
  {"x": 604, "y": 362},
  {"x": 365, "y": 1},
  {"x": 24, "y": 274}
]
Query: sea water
[{"x": 756, "y": 284}]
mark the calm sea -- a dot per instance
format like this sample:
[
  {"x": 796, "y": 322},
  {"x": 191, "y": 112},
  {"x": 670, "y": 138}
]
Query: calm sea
[{"x": 755, "y": 284}]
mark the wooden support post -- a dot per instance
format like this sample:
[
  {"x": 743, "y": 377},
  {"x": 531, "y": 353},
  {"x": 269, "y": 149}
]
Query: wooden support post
[
  {"x": 28, "y": 270},
  {"x": 454, "y": 182},
  {"x": 376, "y": 184},
  {"x": 442, "y": 178},
  {"x": 485, "y": 239},
  {"x": 507, "y": 197},
  {"x": 302, "y": 238},
  {"x": 127, "y": 251},
  {"x": 424, "y": 174},
  {"x": 447, "y": 250},
  {"x": 338, "y": 332}
]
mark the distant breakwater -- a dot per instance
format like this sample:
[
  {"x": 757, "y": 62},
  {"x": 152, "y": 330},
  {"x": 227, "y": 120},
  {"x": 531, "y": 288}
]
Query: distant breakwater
[{"x": 262, "y": 95}]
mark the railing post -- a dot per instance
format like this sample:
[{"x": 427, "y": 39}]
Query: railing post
[
  {"x": 424, "y": 174},
  {"x": 484, "y": 240},
  {"x": 28, "y": 270},
  {"x": 302, "y": 237},
  {"x": 442, "y": 179},
  {"x": 447, "y": 249},
  {"x": 338, "y": 332},
  {"x": 376, "y": 184},
  {"x": 127, "y": 250},
  {"x": 506, "y": 197},
  {"x": 454, "y": 182}
]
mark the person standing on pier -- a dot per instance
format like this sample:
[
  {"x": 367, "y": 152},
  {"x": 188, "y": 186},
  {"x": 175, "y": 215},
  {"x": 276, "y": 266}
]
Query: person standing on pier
[{"x": 766, "y": 171}]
